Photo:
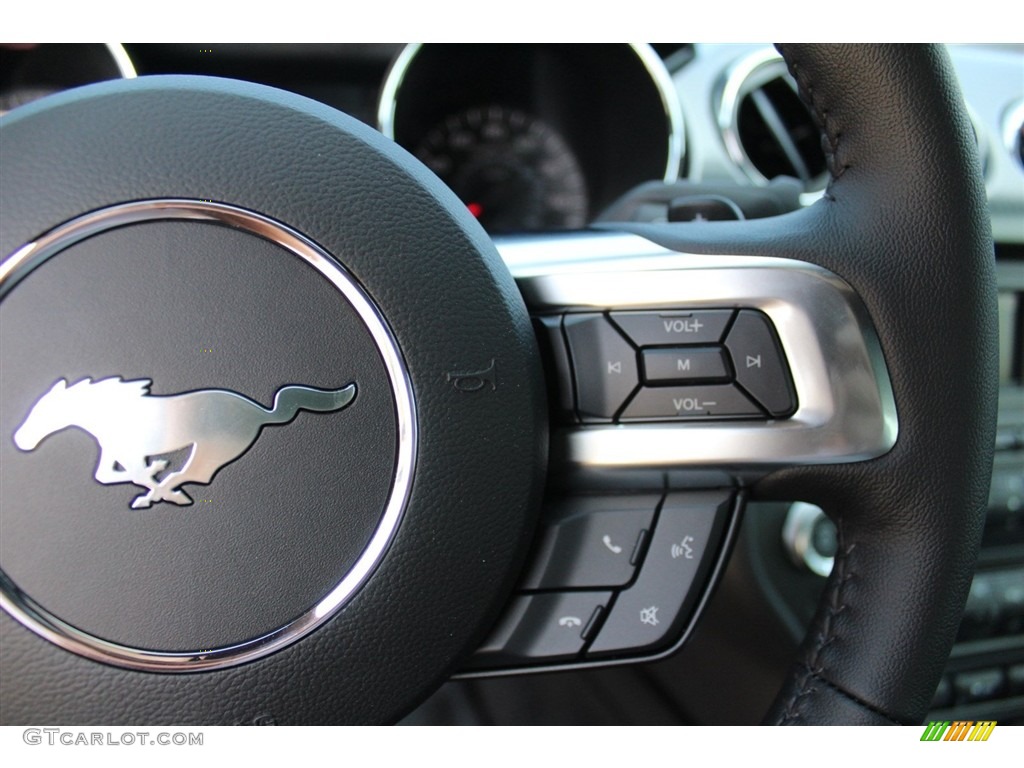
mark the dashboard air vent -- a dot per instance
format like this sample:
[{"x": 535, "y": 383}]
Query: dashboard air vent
[
  {"x": 767, "y": 129},
  {"x": 1013, "y": 131},
  {"x": 1015, "y": 135}
]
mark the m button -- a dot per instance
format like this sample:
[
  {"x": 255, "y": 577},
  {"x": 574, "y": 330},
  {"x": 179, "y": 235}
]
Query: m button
[{"x": 668, "y": 365}]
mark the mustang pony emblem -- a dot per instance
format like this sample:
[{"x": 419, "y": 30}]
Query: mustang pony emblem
[{"x": 131, "y": 425}]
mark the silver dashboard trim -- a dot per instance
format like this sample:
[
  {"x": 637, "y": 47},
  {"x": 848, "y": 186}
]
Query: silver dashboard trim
[
  {"x": 388, "y": 103},
  {"x": 766, "y": 63},
  {"x": 36, "y": 618},
  {"x": 798, "y": 538},
  {"x": 1013, "y": 120},
  {"x": 846, "y": 409},
  {"x": 744, "y": 76},
  {"x": 122, "y": 60},
  {"x": 670, "y": 103}
]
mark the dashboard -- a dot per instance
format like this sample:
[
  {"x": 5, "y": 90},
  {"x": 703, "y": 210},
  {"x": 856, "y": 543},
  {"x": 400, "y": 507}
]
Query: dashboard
[
  {"x": 545, "y": 138},
  {"x": 569, "y": 129}
]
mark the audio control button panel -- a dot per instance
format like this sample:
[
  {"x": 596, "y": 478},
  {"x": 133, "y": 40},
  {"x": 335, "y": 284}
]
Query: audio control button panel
[{"x": 670, "y": 365}]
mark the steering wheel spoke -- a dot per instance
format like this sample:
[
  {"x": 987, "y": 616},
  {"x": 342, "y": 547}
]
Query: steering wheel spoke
[
  {"x": 796, "y": 374},
  {"x": 698, "y": 374}
]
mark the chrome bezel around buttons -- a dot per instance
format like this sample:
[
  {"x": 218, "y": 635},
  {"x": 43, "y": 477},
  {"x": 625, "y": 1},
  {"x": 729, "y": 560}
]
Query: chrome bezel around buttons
[
  {"x": 36, "y": 618},
  {"x": 846, "y": 408}
]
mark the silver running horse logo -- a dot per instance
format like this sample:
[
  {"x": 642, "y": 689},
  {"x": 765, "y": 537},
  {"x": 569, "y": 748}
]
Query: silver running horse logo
[{"x": 131, "y": 426}]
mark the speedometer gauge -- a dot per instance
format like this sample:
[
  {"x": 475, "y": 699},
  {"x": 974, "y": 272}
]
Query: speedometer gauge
[{"x": 513, "y": 171}]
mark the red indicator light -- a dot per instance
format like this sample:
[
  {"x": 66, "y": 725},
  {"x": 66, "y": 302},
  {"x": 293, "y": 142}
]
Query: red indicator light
[{"x": 476, "y": 209}]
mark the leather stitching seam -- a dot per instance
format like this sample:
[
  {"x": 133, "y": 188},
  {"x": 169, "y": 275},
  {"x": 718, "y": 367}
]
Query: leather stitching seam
[
  {"x": 855, "y": 700},
  {"x": 831, "y": 135},
  {"x": 842, "y": 574}
]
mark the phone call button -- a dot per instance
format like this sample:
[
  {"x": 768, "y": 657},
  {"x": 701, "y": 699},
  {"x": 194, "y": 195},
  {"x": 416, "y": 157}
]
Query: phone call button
[
  {"x": 547, "y": 626},
  {"x": 591, "y": 543}
]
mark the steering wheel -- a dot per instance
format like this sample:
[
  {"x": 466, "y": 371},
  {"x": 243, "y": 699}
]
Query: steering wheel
[{"x": 321, "y": 417}]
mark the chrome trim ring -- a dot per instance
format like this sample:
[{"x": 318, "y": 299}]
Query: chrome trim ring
[
  {"x": 122, "y": 60},
  {"x": 846, "y": 408},
  {"x": 670, "y": 102},
  {"x": 1013, "y": 121},
  {"x": 36, "y": 618},
  {"x": 652, "y": 63},
  {"x": 766, "y": 63},
  {"x": 746, "y": 75},
  {"x": 388, "y": 103},
  {"x": 798, "y": 538}
]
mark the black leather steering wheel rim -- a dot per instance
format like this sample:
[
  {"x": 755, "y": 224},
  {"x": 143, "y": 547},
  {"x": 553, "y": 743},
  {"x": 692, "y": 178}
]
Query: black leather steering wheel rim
[{"x": 904, "y": 223}]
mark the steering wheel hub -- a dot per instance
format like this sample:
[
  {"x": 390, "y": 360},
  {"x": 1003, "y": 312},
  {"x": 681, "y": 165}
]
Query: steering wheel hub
[
  {"x": 231, "y": 425},
  {"x": 236, "y": 564}
]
